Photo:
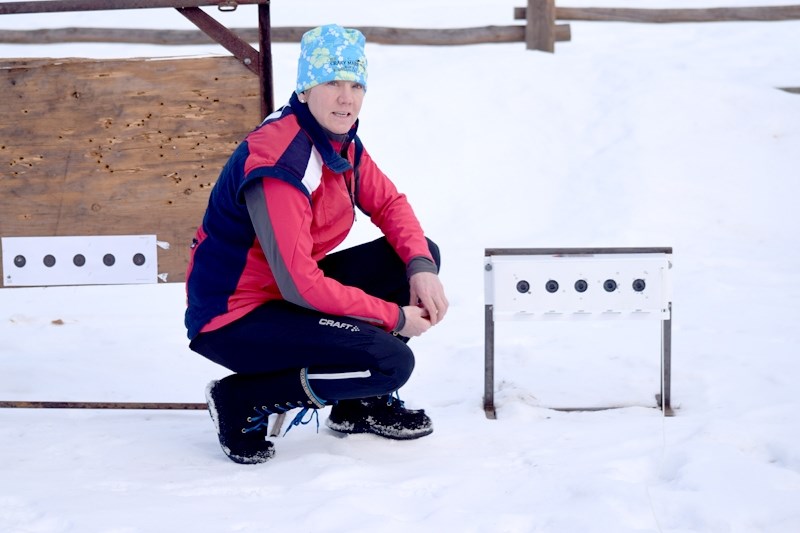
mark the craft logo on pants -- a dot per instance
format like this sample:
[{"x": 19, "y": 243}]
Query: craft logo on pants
[{"x": 337, "y": 324}]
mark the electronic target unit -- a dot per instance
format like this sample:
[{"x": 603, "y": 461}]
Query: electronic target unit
[
  {"x": 578, "y": 284},
  {"x": 79, "y": 260}
]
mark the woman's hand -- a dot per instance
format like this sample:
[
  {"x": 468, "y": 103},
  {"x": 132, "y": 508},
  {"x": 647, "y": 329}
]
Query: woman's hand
[
  {"x": 427, "y": 291},
  {"x": 417, "y": 321}
]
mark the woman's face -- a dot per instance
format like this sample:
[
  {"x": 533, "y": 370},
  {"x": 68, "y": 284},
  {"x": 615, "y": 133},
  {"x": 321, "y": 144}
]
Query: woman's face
[{"x": 335, "y": 104}]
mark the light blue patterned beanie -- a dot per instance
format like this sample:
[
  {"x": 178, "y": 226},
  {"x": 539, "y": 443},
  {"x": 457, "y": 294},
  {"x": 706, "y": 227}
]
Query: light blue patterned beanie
[{"x": 329, "y": 53}]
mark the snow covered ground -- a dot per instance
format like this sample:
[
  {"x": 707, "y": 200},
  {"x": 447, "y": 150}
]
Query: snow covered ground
[{"x": 630, "y": 135}]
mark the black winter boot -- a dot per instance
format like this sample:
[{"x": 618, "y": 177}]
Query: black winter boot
[
  {"x": 240, "y": 406},
  {"x": 383, "y": 415}
]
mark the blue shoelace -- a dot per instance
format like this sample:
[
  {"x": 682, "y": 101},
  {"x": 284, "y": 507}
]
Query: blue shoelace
[
  {"x": 262, "y": 415},
  {"x": 395, "y": 396},
  {"x": 298, "y": 419},
  {"x": 261, "y": 419}
]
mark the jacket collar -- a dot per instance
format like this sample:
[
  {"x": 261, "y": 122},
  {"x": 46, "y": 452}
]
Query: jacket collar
[{"x": 319, "y": 138}]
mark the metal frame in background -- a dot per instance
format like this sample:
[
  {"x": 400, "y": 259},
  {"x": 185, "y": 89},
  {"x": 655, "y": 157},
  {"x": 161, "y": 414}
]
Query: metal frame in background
[
  {"x": 663, "y": 399},
  {"x": 21, "y": 404},
  {"x": 175, "y": 406},
  {"x": 260, "y": 63}
]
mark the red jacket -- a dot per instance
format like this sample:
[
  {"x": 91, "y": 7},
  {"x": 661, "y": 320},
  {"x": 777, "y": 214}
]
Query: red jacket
[{"x": 284, "y": 200}]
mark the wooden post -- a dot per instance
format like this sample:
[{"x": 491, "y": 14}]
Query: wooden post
[
  {"x": 265, "y": 57},
  {"x": 540, "y": 26}
]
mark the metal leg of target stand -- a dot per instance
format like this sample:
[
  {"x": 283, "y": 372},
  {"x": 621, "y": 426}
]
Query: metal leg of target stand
[
  {"x": 488, "y": 383},
  {"x": 663, "y": 399}
]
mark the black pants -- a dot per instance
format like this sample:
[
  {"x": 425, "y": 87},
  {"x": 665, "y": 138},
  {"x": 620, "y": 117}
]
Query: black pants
[{"x": 347, "y": 358}]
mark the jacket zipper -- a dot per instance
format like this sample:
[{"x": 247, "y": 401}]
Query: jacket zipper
[{"x": 352, "y": 197}]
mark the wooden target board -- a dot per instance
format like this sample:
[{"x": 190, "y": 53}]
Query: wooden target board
[{"x": 119, "y": 147}]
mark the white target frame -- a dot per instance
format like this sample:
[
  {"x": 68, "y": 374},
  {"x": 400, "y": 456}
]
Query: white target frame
[
  {"x": 79, "y": 260},
  {"x": 578, "y": 284}
]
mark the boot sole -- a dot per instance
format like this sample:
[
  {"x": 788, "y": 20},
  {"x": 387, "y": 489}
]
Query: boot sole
[{"x": 381, "y": 431}]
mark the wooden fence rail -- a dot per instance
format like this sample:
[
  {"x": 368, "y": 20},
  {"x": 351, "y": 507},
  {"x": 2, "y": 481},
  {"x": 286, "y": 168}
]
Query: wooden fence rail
[
  {"x": 541, "y": 17},
  {"x": 716, "y": 14},
  {"x": 539, "y": 33},
  {"x": 380, "y": 35}
]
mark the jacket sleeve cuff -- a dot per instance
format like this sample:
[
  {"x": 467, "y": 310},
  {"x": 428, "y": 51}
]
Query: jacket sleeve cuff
[
  {"x": 420, "y": 264},
  {"x": 401, "y": 321}
]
